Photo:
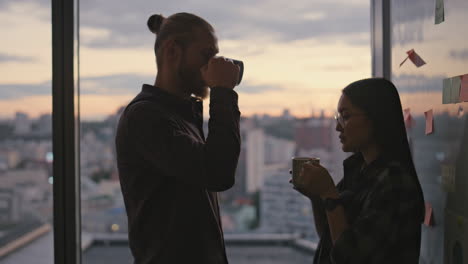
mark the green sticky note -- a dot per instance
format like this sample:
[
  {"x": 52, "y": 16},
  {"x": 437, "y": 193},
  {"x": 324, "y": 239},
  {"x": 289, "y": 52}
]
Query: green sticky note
[
  {"x": 439, "y": 12},
  {"x": 455, "y": 91},
  {"x": 447, "y": 91}
]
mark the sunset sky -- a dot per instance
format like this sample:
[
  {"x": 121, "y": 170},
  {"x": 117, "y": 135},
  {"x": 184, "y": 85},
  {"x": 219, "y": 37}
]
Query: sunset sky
[{"x": 298, "y": 55}]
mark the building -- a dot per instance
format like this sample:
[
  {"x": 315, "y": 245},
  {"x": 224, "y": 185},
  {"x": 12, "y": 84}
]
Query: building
[
  {"x": 44, "y": 125},
  {"x": 22, "y": 124},
  {"x": 278, "y": 150},
  {"x": 283, "y": 210},
  {"x": 313, "y": 133},
  {"x": 24, "y": 191},
  {"x": 255, "y": 157},
  {"x": 10, "y": 206}
]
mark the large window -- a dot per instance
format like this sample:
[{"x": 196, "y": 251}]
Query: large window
[
  {"x": 26, "y": 234},
  {"x": 297, "y": 58}
]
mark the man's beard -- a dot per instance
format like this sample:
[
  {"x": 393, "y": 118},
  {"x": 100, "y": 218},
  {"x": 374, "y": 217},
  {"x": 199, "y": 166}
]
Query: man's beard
[
  {"x": 200, "y": 90},
  {"x": 192, "y": 83}
]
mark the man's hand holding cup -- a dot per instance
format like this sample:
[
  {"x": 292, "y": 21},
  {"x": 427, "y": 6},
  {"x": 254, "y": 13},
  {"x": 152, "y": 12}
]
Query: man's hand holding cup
[{"x": 220, "y": 72}]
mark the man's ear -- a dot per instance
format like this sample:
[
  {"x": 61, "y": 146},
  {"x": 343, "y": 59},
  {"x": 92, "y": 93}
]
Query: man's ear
[{"x": 173, "y": 51}]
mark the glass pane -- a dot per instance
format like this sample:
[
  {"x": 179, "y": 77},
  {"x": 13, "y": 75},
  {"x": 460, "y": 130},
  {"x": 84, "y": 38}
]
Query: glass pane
[
  {"x": 440, "y": 151},
  {"x": 26, "y": 209},
  {"x": 297, "y": 59}
]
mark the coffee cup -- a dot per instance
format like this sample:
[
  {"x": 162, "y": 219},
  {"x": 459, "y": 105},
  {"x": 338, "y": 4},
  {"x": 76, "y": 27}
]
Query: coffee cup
[{"x": 298, "y": 162}]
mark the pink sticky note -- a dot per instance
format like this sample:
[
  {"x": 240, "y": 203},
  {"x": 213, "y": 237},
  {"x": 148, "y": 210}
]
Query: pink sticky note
[
  {"x": 408, "y": 118},
  {"x": 415, "y": 58},
  {"x": 464, "y": 88},
  {"x": 429, "y": 218},
  {"x": 429, "y": 122}
]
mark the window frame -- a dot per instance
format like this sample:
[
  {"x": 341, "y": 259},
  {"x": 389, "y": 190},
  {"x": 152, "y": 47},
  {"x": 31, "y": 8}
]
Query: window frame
[{"x": 66, "y": 182}]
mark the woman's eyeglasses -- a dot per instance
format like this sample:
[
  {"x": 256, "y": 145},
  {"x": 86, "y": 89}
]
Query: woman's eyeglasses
[{"x": 340, "y": 120}]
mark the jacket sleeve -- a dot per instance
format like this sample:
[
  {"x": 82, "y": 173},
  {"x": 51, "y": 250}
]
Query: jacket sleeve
[
  {"x": 388, "y": 211},
  {"x": 161, "y": 142}
]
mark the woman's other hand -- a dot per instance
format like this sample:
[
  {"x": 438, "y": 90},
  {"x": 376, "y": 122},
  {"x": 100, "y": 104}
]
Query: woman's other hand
[{"x": 314, "y": 180}]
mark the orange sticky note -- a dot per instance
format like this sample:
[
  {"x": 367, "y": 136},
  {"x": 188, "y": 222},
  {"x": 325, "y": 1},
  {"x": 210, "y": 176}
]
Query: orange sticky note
[
  {"x": 429, "y": 217},
  {"x": 464, "y": 88},
  {"x": 429, "y": 122}
]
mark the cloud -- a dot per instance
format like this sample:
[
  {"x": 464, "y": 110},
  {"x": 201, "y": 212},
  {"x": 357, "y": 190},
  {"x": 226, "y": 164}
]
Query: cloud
[
  {"x": 12, "y": 91},
  {"x": 15, "y": 58},
  {"x": 459, "y": 54},
  {"x": 255, "y": 89},
  {"x": 124, "y": 25},
  {"x": 413, "y": 21},
  {"x": 108, "y": 84},
  {"x": 407, "y": 83},
  {"x": 117, "y": 84},
  {"x": 114, "y": 84}
]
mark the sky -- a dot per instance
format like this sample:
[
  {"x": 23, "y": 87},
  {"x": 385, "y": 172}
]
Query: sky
[{"x": 298, "y": 55}]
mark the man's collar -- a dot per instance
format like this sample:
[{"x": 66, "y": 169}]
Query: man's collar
[
  {"x": 181, "y": 105},
  {"x": 164, "y": 95}
]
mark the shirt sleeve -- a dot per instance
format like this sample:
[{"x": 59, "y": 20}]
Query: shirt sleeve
[
  {"x": 161, "y": 142},
  {"x": 369, "y": 239}
]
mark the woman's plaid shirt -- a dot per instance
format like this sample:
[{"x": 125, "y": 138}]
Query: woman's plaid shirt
[{"x": 384, "y": 211}]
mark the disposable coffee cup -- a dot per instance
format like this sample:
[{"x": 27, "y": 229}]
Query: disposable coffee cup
[{"x": 298, "y": 162}]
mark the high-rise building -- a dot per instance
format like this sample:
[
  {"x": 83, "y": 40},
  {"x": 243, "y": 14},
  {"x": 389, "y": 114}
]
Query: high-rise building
[
  {"x": 278, "y": 150},
  {"x": 10, "y": 205},
  {"x": 313, "y": 133},
  {"x": 22, "y": 124},
  {"x": 44, "y": 125},
  {"x": 255, "y": 161},
  {"x": 284, "y": 210}
]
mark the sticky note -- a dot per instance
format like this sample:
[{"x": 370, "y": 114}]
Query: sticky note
[
  {"x": 415, "y": 58},
  {"x": 455, "y": 90},
  {"x": 429, "y": 216},
  {"x": 448, "y": 177},
  {"x": 408, "y": 118},
  {"x": 439, "y": 12},
  {"x": 429, "y": 122},
  {"x": 447, "y": 91},
  {"x": 464, "y": 88}
]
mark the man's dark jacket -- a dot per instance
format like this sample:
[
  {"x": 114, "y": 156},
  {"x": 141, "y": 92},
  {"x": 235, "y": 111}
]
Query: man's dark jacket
[{"x": 170, "y": 174}]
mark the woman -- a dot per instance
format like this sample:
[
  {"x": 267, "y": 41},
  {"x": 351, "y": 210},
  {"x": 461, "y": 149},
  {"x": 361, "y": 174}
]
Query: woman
[{"x": 374, "y": 214}]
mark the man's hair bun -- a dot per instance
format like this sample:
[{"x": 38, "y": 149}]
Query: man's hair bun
[{"x": 155, "y": 22}]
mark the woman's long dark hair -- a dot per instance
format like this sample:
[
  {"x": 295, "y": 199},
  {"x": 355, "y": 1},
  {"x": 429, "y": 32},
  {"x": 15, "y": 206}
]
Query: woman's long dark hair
[{"x": 379, "y": 99}]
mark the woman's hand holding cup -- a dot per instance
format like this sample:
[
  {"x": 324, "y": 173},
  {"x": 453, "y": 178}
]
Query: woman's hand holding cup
[{"x": 314, "y": 180}]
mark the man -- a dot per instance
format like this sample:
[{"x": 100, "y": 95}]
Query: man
[{"x": 168, "y": 172}]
